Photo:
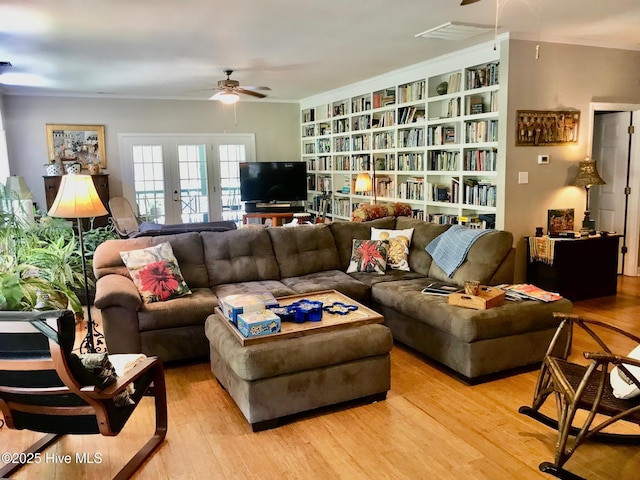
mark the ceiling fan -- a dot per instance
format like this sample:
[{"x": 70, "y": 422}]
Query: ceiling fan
[{"x": 228, "y": 90}]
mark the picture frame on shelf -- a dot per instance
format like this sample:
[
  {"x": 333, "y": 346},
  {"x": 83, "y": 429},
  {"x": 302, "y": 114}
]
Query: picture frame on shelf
[
  {"x": 547, "y": 127},
  {"x": 76, "y": 143},
  {"x": 560, "y": 220}
]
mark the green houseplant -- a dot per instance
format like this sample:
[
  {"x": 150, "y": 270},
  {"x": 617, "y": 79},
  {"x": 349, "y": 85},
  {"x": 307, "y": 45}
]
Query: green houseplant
[{"x": 40, "y": 265}]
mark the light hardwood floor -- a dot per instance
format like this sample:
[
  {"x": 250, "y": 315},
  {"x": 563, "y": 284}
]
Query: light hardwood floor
[{"x": 431, "y": 426}]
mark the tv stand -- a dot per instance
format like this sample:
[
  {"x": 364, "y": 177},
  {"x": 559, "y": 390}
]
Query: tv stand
[{"x": 264, "y": 207}]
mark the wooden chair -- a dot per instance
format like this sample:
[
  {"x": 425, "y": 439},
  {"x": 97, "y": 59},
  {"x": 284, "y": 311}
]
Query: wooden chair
[
  {"x": 124, "y": 218},
  {"x": 583, "y": 385},
  {"x": 39, "y": 389}
]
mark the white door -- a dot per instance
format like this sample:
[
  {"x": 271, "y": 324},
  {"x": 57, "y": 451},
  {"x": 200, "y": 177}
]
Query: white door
[
  {"x": 612, "y": 205},
  {"x": 184, "y": 178}
]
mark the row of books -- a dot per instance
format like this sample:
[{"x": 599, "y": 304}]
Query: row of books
[
  {"x": 479, "y": 193},
  {"x": 383, "y": 140},
  {"x": 411, "y": 92},
  {"x": 441, "y": 135},
  {"x": 361, "y": 104},
  {"x": 412, "y": 189},
  {"x": 340, "y": 109},
  {"x": 384, "y": 97},
  {"x": 362, "y": 122},
  {"x": 437, "y": 192},
  {"x": 411, "y": 138},
  {"x": 481, "y": 131},
  {"x": 443, "y": 160},
  {"x": 385, "y": 187},
  {"x": 410, "y": 115},
  {"x": 410, "y": 161},
  {"x": 308, "y": 131},
  {"x": 484, "y": 76},
  {"x": 453, "y": 85},
  {"x": 325, "y": 162},
  {"x": 384, "y": 119},
  {"x": 341, "y": 126},
  {"x": 341, "y": 144},
  {"x": 360, "y": 142},
  {"x": 324, "y": 145},
  {"x": 480, "y": 160}
]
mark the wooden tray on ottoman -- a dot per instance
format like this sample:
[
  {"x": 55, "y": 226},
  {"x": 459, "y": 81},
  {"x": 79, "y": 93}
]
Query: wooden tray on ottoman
[
  {"x": 329, "y": 322},
  {"x": 487, "y": 297}
]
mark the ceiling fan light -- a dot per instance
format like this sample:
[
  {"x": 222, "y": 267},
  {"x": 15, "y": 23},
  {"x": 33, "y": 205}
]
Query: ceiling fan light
[{"x": 228, "y": 98}]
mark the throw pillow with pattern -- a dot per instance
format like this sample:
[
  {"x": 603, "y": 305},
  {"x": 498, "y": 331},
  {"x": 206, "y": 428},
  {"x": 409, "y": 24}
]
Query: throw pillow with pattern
[
  {"x": 399, "y": 243},
  {"x": 369, "y": 256},
  {"x": 156, "y": 273}
]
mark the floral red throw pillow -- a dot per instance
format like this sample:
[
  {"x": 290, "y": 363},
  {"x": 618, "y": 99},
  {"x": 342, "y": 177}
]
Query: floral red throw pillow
[
  {"x": 156, "y": 273},
  {"x": 369, "y": 256}
]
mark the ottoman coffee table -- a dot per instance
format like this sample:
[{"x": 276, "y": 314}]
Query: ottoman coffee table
[{"x": 305, "y": 366}]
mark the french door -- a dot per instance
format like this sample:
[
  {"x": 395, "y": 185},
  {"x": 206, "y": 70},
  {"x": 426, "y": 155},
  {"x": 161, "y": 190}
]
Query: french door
[{"x": 185, "y": 178}]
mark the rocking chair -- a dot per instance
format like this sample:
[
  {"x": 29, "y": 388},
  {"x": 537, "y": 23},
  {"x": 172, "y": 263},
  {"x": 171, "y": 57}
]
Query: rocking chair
[
  {"x": 586, "y": 386},
  {"x": 44, "y": 387}
]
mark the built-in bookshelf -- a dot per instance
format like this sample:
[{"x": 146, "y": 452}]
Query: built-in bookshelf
[{"x": 435, "y": 142}]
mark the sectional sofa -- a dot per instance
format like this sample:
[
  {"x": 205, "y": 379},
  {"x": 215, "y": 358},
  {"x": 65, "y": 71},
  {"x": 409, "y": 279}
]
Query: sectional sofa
[{"x": 308, "y": 258}]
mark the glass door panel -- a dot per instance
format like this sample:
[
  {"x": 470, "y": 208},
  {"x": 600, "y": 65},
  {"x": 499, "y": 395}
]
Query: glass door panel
[
  {"x": 229, "y": 158},
  {"x": 193, "y": 192},
  {"x": 149, "y": 182}
]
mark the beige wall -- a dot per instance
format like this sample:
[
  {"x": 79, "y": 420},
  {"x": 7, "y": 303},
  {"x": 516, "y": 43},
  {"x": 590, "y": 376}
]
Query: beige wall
[
  {"x": 276, "y": 127},
  {"x": 564, "y": 77}
]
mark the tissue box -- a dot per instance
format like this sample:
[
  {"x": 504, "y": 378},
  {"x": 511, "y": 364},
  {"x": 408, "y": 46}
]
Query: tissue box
[
  {"x": 254, "y": 324},
  {"x": 233, "y": 305}
]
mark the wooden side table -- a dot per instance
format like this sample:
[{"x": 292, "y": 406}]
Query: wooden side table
[
  {"x": 582, "y": 268},
  {"x": 277, "y": 219}
]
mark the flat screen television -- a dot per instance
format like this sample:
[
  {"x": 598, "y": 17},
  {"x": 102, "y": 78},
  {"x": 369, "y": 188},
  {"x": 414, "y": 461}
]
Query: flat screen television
[{"x": 273, "y": 181}]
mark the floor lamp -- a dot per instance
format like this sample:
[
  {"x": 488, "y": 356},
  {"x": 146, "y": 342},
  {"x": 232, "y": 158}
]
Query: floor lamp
[{"x": 77, "y": 198}]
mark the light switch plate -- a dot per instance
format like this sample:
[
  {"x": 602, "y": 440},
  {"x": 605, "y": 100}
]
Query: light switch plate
[
  {"x": 543, "y": 159},
  {"x": 523, "y": 177}
]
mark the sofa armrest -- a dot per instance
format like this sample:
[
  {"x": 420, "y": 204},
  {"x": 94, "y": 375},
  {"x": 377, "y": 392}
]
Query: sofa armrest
[{"x": 117, "y": 291}]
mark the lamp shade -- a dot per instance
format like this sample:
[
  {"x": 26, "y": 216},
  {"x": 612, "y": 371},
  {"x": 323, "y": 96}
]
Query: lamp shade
[
  {"x": 77, "y": 198},
  {"x": 587, "y": 174},
  {"x": 363, "y": 183},
  {"x": 17, "y": 187}
]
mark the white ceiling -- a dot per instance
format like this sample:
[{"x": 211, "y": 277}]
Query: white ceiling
[{"x": 178, "y": 49}]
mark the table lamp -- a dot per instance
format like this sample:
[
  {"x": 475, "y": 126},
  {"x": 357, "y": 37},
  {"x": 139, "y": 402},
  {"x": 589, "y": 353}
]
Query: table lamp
[
  {"x": 364, "y": 183},
  {"x": 587, "y": 177},
  {"x": 77, "y": 198},
  {"x": 21, "y": 198}
]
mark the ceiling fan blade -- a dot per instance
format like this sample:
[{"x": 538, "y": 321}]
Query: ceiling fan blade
[
  {"x": 251, "y": 87},
  {"x": 249, "y": 92},
  {"x": 468, "y": 2}
]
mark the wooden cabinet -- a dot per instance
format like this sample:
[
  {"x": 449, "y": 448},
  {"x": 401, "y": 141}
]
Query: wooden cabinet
[
  {"x": 101, "y": 182},
  {"x": 582, "y": 268}
]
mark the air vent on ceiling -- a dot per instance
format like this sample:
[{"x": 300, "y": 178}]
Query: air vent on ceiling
[
  {"x": 455, "y": 31},
  {"x": 5, "y": 64}
]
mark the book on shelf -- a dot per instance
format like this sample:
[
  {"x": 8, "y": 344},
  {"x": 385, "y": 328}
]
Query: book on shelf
[
  {"x": 441, "y": 288},
  {"x": 528, "y": 291}
]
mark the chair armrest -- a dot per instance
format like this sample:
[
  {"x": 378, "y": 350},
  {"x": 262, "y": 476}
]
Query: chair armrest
[
  {"x": 116, "y": 290},
  {"x": 602, "y": 357},
  {"x": 125, "y": 380}
]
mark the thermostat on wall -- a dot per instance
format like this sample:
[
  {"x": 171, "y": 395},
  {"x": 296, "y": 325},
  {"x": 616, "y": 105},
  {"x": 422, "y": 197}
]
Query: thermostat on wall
[{"x": 543, "y": 159}]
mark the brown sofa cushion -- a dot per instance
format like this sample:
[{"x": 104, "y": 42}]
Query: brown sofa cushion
[
  {"x": 187, "y": 248},
  {"x": 304, "y": 249},
  {"x": 344, "y": 233},
  {"x": 423, "y": 233},
  {"x": 483, "y": 259},
  {"x": 239, "y": 256}
]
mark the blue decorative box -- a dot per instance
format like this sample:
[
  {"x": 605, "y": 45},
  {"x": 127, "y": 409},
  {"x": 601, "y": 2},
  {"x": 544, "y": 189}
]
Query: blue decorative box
[{"x": 255, "y": 324}]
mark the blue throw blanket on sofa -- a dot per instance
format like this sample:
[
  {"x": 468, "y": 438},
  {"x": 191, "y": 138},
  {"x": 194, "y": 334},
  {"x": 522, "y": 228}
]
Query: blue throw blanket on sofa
[{"x": 449, "y": 249}]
